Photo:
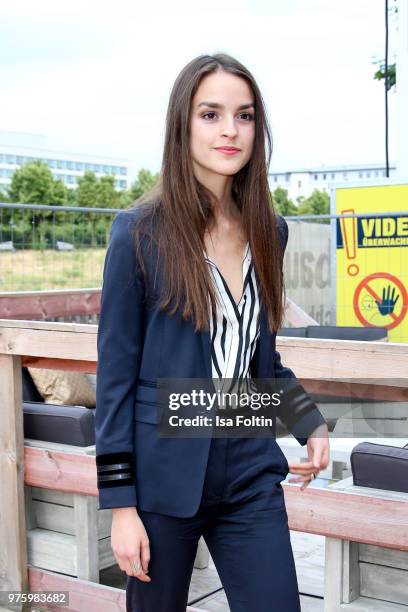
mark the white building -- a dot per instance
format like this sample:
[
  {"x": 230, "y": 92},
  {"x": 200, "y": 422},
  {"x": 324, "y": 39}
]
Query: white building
[
  {"x": 303, "y": 181},
  {"x": 18, "y": 148}
]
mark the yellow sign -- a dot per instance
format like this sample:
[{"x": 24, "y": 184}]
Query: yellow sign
[{"x": 372, "y": 259}]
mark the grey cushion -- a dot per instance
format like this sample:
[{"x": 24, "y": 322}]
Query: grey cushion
[
  {"x": 339, "y": 332},
  {"x": 292, "y": 331},
  {"x": 63, "y": 424},
  {"x": 380, "y": 466}
]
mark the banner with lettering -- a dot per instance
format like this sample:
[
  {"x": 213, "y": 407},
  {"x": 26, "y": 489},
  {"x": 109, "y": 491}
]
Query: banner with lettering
[{"x": 372, "y": 259}]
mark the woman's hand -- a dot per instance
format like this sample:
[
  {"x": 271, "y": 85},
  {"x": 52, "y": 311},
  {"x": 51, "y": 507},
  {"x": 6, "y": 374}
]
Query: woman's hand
[
  {"x": 318, "y": 451},
  {"x": 129, "y": 542}
]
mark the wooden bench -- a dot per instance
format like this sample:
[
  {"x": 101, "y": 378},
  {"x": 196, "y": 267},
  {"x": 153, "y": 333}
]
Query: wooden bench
[
  {"x": 362, "y": 577},
  {"x": 325, "y": 512},
  {"x": 65, "y": 530}
]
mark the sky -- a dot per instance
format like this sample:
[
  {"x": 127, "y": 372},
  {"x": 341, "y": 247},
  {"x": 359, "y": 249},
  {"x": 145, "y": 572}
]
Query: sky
[{"x": 95, "y": 77}]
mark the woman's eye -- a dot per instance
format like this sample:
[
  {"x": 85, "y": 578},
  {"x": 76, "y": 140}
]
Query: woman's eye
[
  {"x": 250, "y": 116},
  {"x": 210, "y": 113}
]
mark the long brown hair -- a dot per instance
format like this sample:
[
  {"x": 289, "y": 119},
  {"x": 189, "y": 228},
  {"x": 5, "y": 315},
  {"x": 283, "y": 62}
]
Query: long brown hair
[{"x": 179, "y": 208}]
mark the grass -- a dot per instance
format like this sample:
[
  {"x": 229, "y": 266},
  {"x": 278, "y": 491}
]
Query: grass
[{"x": 34, "y": 270}]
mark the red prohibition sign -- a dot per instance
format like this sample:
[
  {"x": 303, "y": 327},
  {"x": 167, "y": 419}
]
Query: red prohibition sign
[{"x": 364, "y": 284}]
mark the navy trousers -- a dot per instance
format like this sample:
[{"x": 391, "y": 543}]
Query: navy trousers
[{"x": 243, "y": 520}]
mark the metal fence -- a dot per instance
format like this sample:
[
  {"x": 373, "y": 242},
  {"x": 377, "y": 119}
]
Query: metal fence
[
  {"x": 336, "y": 267},
  {"x": 52, "y": 247}
]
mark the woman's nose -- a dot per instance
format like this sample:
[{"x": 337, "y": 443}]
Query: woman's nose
[{"x": 229, "y": 127}]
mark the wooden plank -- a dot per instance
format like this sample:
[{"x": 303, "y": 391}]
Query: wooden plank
[
  {"x": 105, "y": 552},
  {"x": 385, "y": 583},
  {"x": 64, "y": 344},
  {"x": 47, "y": 304},
  {"x": 29, "y": 509},
  {"x": 333, "y": 578},
  {"x": 86, "y": 532},
  {"x": 60, "y": 471},
  {"x": 88, "y": 367},
  {"x": 354, "y": 389},
  {"x": 52, "y": 550},
  {"x": 350, "y": 571},
  {"x": 60, "y": 499},
  {"x": 311, "y": 358},
  {"x": 56, "y": 446},
  {"x": 83, "y": 595},
  {"x": 59, "y": 552},
  {"x": 13, "y": 549},
  {"x": 383, "y": 556},
  {"x": 368, "y": 604},
  {"x": 48, "y": 292},
  {"x": 338, "y": 514},
  {"x": 57, "y": 517},
  {"x": 347, "y": 516},
  {"x": 52, "y": 496},
  {"x": 84, "y": 328},
  {"x": 54, "y": 517}
]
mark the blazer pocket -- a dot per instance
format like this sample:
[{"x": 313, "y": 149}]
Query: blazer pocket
[
  {"x": 146, "y": 405},
  {"x": 146, "y": 414}
]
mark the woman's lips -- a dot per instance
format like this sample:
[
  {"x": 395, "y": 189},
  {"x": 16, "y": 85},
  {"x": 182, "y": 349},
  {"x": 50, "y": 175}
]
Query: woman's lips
[{"x": 228, "y": 151}]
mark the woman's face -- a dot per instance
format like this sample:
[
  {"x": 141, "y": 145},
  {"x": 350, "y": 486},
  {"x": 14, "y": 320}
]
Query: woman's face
[{"x": 222, "y": 115}]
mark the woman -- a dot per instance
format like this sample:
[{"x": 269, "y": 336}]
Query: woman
[{"x": 193, "y": 289}]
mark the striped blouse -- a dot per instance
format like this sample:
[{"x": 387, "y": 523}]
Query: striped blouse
[{"x": 234, "y": 331}]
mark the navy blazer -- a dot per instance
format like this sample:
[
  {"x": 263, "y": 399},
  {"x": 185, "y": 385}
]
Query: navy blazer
[{"x": 137, "y": 344}]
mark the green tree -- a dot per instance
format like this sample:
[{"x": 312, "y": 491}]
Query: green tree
[
  {"x": 379, "y": 74},
  {"x": 60, "y": 193},
  {"x": 87, "y": 190},
  {"x": 94, "y": 193},
  {"x": 125, "y": 198},
  {"x": 72, "y": 197},
  {"x": 34, "y": 183},
  {"x": 107, "y": 196},
  {"x": 283, "y": 205},
  {"x": 145, "y": 181},
  {"x": 4, "y": 196},
  {"x": 318, "y": 203}
]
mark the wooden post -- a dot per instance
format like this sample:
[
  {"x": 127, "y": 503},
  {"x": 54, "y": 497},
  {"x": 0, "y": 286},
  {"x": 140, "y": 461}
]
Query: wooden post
[
  {"x": 13, "y": 550},
  {"x": 86, "y": 531}
]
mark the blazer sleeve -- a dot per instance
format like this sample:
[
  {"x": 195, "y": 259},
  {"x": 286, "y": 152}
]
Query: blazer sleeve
[
  {"x": 297, "y": 410},
  {"x": 119, "y": 347}
]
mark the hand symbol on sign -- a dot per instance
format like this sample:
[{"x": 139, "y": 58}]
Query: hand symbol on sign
[{"x": 386, "y": 306}]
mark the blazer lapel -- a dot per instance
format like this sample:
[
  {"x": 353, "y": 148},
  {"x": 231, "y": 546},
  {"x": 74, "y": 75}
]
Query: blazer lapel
[
  {"x": 206, "y": 346},
  {"x": 264, "y": 361},
  {"x": 262, "y": 356}
]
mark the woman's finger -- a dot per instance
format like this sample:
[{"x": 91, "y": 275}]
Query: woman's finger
[
  {"x": 145, "y": 554},
  {"x": 306, "y": 480},
  {"x": 302, "y": 468},
  {"x": 132, "y": 564},
  {"x": 308, "y": 477}
]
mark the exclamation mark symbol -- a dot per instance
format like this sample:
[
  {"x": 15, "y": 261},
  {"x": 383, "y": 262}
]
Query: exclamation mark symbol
[{"x": 349, "y": 235}]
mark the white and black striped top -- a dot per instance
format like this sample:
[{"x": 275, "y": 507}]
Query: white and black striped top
[{"x": 234, "y": 331}]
